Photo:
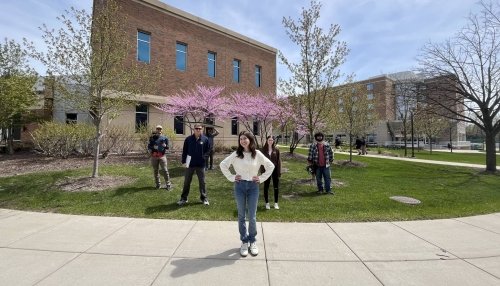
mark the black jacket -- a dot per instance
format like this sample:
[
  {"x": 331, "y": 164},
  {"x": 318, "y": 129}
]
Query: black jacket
[{"x": 197, "y": 149}]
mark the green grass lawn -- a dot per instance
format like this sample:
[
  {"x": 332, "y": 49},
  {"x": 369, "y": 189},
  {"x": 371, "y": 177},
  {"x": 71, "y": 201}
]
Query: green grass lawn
[{"x": 363, "y": 195}]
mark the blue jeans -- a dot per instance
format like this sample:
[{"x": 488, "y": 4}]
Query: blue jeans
[
  {"x": 246, "y": 194},
  {"x": 323, "y": 172}
]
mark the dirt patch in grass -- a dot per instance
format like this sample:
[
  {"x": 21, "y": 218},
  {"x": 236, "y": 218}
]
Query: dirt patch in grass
[
  {"x": 312, "y": 182},
  {"x": 89, "y": 184},
  {"x": 27, "y": 162},
  {"x": 347, "y": 163}
]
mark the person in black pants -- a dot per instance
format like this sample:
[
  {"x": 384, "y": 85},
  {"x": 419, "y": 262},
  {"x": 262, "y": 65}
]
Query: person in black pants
[
  {"x": 272, "y": 153},
  {"x": 211, "y": 133},
  {"x": 194, "y": 153}
]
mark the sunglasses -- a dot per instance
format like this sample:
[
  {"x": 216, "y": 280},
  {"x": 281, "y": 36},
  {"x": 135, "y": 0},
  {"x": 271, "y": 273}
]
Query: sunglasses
[{"x": 198, "y": 128}]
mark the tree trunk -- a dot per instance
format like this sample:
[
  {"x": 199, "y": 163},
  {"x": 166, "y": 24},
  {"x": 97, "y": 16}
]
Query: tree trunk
[
  {"x": 404, "y": 137},
  {"x": 350, "y": 147},
  {"x": 491, "y": 158},
  {"x": 95, "y": 170}
]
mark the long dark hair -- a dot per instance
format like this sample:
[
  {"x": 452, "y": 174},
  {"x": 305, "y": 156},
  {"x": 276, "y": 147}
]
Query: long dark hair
[
  {"x": 266, "y": 145},
  {"x": 251, "y": 146}
]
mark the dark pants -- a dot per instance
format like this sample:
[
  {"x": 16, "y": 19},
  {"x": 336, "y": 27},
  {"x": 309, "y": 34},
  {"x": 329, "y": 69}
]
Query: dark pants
[
  {"x": 211, "y": 159},
  {"x": 267, "y": 183},
  {"x": 188, "y": 177}
]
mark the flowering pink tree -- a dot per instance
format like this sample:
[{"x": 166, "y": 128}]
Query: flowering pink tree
[
  {"x": 260, "y": 111},
  {"x": 197, "y": 104}
]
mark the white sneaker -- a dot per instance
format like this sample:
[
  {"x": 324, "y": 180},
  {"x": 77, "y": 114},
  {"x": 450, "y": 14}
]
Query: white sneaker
[
  {"x": 276, "y": 206},
  {"x": 268, "y": 207},
  {"x": 244, "y": 249},
  {"x": 254, "y": 250}
]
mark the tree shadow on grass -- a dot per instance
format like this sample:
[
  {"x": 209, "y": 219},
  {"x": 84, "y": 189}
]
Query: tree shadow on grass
[{"x": 176, "y": 172}]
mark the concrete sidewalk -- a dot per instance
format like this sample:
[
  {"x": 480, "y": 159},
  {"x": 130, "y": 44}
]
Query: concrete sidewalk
[
  {"x": 56, "y": 249},
  {"x": 419, "y": 160}
]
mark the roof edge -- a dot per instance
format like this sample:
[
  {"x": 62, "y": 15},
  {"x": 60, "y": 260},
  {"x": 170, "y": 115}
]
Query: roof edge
[{"x": 199, "y": 21}]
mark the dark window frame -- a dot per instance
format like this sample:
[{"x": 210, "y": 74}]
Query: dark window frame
[
  {"x": 141, "y": 116},
  {"x": 212, "y": 64},
  {"x": 142, "y": 41},
  {"x": 258, "y": 76},
  {"x": 234, "y": 126},
  {"x": 236, "y": 70},
  {"x": 179, "y": 125},
  {"x": 178, "y": 53}
]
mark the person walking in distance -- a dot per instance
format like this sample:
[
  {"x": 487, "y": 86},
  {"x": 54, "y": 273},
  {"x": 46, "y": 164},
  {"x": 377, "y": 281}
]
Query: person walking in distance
[
  {"x": 363, "y": 146},
  {"x": 246, "y": 162},
  {"x": 321, "y": 155},
  {"x": 157, "y": 146},
  {"x": 358, "y": 144},
  {"x": 272, "y": 153},
  {"x": 194, "y": 153}
]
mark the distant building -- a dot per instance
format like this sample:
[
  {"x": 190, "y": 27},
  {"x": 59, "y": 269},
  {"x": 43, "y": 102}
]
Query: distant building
[{"x": 386, "y": 93}]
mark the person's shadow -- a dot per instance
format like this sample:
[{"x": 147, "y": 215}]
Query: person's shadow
[{"x": 186, "y": 266}]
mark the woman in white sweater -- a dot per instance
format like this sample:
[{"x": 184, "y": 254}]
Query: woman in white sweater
[{"x": 246, "y": 161}]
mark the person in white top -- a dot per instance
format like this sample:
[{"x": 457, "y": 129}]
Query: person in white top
[{"x": 246, "y": 161}]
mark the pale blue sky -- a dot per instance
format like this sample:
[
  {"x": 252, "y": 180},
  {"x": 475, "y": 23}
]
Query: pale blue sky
[{"x": 384, "y": 36}]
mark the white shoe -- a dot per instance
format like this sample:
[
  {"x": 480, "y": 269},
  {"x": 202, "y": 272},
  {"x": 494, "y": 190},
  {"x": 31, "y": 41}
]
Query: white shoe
[
  {"x": 276, "y": 206},
  {"x": 244, "y": 249},
  {"x": 268, "y": 207},
  {"x": 254, "y": 250}
]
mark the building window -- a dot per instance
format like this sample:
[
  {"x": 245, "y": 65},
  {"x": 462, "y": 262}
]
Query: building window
[
  {"x": 141, "y": 116},
  {"x": 71, "y": 118},
  {"x": 369, "y": 86},
  {"x": 256, "y": 128},
  {"x": 181, "y": 56},
  {"x": 179, "y": 124},
  {"x": 234, "y": 126},
  {"x": 258, "y": 70},
  {"x": 212, "y": 63},
  {"x": 143, "y": 46},
  {"x": 236, "y": 70},
  {"x": 369, "y": 96}
]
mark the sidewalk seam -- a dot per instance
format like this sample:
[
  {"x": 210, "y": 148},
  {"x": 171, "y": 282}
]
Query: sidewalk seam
[
  {"x": 363, "y": 262},
  {"x": 173, "y": 254}
]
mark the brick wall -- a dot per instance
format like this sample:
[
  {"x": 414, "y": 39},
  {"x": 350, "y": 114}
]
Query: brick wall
[{"x": 167, "y": 28}]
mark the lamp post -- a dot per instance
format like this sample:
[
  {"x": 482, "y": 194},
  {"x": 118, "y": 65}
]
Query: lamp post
[{"x": 412, "y": 138}]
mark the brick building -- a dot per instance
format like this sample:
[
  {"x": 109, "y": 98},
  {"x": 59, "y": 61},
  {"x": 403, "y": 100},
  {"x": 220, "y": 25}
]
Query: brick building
[
  {"x": 193, "y": 51},
  {"x": 383, "y": 91}
]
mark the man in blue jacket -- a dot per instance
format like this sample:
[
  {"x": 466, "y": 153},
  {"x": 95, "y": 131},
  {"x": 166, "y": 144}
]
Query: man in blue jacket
[{"x": 194, "y": 155}]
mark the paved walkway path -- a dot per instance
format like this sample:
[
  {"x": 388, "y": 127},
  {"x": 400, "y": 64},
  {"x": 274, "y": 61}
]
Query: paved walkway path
[
  {"x": 420, "y": 160},
  {"x": 56, "y": 249}
]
